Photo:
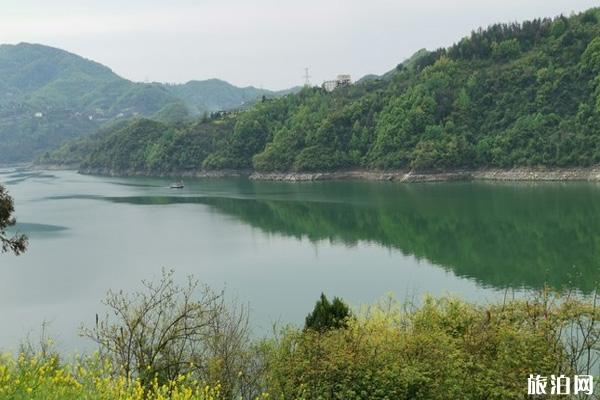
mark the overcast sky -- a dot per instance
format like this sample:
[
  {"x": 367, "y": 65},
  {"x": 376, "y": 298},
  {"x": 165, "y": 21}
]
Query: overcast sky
[{"x": 265, "y": 43}]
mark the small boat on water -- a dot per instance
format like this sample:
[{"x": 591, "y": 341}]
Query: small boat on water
[{"x": 177, "y": 185}]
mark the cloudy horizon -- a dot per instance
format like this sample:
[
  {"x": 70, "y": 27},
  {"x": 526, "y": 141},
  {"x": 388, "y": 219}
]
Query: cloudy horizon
[{"x": 265, "y": 44}]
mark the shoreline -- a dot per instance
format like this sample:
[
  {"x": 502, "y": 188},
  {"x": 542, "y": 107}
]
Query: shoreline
[
  {"x": 591, "y": 174},
  {"x": 495, "y": 174}
]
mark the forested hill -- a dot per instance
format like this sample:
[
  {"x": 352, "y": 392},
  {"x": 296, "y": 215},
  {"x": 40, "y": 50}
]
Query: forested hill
[
  {"x": 48, "y": 95},
  {"x": 520, "y": 94},
  {"x": 215, "y": 94}
]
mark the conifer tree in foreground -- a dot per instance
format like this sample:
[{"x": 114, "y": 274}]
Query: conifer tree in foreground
[
  {"x": 17, "y": 243},
  {"x": 327, "y": 315}
]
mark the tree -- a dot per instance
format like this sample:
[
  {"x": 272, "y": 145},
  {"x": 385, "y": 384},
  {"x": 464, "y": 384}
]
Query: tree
[
  {"x": 168, "y": 330},
  {"x": 17, "y": 243},
  {"x": 506, "y": 49},
  {"x": 327, "y": 316}
]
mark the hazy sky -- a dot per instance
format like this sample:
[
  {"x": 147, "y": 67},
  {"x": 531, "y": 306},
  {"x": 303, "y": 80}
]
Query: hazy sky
[{"x": 260, "y": 42}]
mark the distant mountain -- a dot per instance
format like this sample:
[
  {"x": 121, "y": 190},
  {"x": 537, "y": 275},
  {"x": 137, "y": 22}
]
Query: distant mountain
[
  {"x": 215, "y": 94},
  {"x": 513, "y": 95},
  {"x": 48, "y": 96}
]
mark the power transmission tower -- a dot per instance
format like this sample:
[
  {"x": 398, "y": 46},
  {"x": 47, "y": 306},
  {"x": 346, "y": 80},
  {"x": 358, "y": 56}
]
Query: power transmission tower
[{"x": 306, "y": 77}]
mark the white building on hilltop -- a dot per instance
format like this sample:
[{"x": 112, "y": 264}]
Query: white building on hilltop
[{"x": 340, "y": 81}]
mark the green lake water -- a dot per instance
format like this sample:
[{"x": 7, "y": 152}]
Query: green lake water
[{"x": 277, "y": 246}]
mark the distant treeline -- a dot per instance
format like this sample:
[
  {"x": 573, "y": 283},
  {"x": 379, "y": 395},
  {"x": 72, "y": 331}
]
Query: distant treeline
[{"x": 511, "y": 95}]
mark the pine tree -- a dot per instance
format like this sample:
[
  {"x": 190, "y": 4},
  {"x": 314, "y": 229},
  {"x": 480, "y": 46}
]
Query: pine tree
[{"x": 328, "y": 315}]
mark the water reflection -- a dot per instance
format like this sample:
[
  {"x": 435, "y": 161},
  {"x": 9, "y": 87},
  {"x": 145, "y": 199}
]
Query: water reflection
[
  {"x": 501, "y": 235},
  {"x": 36, "y": 230}
]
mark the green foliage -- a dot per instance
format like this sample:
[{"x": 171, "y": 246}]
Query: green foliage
[
  {"x": 215, "y": 95},
  {"x": 521, "y": 94},
  {"x": 591, "y": 57},
  {"x": 443, "y": 349},
  {"x": 76, "y": 151},
  {"x": 327, "y": 315},
  {"x": 250, "y": 134},
  {"x": 17, "y": 243},
  {"x": 47, "y": 377},
  {"x": 73, "y": 97},
  {"x": 146, "y": 146},
  {"x": 168, "y": 330},
  {"x": 506, "y": 49},
  {"x": 172, "y": 113}
]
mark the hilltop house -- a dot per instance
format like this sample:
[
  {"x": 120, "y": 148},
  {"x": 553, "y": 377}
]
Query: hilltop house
[{"x": 340, "y": 81}]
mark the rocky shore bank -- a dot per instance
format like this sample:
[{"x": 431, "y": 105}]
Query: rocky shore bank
[
  {"x": 514, "y": 174},
  {"x": 179, "y": 174},
  {"x": 493, "y": 174}
]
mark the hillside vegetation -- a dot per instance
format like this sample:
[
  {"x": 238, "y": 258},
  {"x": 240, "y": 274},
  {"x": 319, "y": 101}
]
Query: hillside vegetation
[
  {"x": 442, "y": 349},
  {"x": 48, "y": 95},
  {"x": 520, "y": 94}
]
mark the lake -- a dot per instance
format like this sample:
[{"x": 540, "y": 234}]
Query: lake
[{"x": 276, "y": 246}]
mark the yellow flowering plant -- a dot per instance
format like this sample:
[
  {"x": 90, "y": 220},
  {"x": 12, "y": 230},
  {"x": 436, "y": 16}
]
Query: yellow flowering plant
[{"x": 37, "y": 378}]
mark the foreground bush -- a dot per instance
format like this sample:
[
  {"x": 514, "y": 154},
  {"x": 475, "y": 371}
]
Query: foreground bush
[
  {"x": 167, "y": 331},
  {"x": 445, "y": 349}
]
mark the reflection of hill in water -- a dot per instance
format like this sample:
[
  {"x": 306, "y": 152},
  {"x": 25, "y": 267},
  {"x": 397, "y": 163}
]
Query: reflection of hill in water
[
  {"x": 33, "y": 230},
  {"x": 500, "y": 235}
]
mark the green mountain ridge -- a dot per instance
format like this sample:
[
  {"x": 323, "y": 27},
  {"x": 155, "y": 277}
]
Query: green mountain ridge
[
  {"x": 518, "y": 94},
  {"x": 409, "y": 63},
  {"x": 48, "y": 96},
  {"x": 211, "y": 94}
]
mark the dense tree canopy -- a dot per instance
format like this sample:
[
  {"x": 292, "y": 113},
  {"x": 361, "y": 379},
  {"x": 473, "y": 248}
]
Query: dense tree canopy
[{"x": 520, "y": 94}]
